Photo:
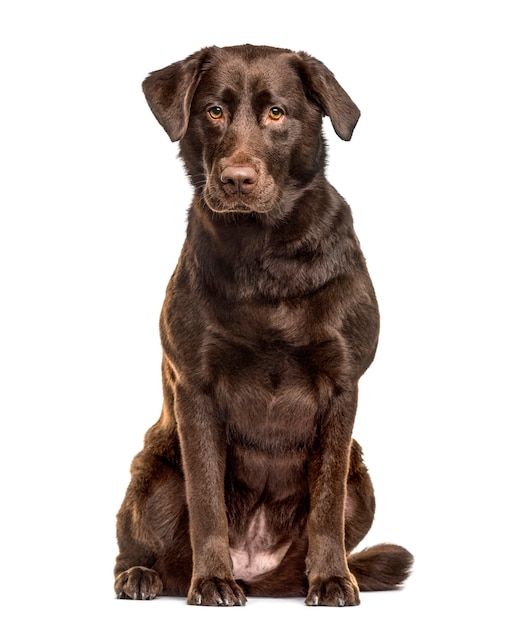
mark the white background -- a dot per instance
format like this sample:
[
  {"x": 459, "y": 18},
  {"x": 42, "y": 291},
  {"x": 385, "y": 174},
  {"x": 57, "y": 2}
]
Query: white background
[{"x": 93, "y": 208}]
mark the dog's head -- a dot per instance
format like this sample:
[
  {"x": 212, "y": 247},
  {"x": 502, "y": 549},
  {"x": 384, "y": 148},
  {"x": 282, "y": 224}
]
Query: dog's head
[{"x": 248, "y": 119}]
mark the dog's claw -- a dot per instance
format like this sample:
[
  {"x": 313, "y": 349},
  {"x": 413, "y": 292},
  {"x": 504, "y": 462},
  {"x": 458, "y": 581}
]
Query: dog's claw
[
  {"x": 334, "y": 591},
  {"x": 138, "y": 583},
  {"x": 215, "y": 592}
]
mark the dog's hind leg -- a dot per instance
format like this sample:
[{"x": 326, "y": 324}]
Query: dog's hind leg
[
  {"x": 360, "y": 503},
  {"x": 152, "y": 530},
  {"x": 379, "y": 568}
]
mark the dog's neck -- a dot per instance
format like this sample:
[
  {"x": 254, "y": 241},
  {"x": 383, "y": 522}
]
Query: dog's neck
[{"x": 273, "y": 257}]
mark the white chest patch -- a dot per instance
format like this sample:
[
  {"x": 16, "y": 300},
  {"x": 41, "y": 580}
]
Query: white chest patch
[{"x": 259, "y": 552}]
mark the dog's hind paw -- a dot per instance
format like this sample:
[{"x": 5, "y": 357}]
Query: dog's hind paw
[
  {"x": 333, "y": 591},
  {"x": 138, "y": 583},
  {"x": 216, "y": 592}
]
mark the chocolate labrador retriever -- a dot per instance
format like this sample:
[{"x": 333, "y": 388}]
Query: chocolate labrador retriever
[{"x": 250, "y": 482}]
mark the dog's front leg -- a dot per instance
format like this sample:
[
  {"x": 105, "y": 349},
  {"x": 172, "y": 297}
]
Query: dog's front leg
[
  {"x": 203, "y": 445},
  {"x": 330, "y": 581}
]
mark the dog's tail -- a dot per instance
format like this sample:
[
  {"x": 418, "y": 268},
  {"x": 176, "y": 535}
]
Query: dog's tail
[{"x": 381, "y": 568}]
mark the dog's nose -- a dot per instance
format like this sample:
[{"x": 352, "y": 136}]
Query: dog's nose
[{"x": 239, "y": 179}]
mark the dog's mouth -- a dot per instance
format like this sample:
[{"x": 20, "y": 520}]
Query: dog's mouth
[{"x": 218, "y": 205}]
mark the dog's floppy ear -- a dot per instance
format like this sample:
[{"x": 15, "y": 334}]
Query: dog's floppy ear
[
  {"x": 169, "y": 92},
  {"x": 323, "y": 88}
]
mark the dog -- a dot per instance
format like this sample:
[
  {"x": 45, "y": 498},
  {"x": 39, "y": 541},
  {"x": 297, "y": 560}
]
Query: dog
[{"x": 250, "y": 483}]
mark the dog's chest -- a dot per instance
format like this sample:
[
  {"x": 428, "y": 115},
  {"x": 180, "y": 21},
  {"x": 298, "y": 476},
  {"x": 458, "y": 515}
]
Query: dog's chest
[{"x": 271, "y": 390}]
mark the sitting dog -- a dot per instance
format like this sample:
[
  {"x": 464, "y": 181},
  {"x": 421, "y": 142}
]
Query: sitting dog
[{"x": 250, "y": 482}]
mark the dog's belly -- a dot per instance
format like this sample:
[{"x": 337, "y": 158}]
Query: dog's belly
[{"x": 258, "y": 551}]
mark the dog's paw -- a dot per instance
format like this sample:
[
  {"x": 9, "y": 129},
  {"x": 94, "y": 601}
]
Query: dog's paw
[
  {"x": 333, "y": 591},
  {"x": 216, "y": 592},
  {"x": 138, "y": 583}
]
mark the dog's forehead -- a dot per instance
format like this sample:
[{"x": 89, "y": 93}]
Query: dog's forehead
[{"x": 243, "y": 75}]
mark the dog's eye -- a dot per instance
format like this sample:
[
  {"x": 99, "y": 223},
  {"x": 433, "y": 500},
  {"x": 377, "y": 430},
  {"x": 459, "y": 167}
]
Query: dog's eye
[
  {"x": 275, "y": 113},
  {"x": 215, "y": 112}
]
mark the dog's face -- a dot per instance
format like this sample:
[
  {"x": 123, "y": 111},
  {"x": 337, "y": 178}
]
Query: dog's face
[
  {"x": 247, "y": 129},
  {"x": 249, "y": 122}
]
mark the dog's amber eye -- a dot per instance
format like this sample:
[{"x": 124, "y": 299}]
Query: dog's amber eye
[
  {"x": 215, "y": 112},
  {"x": 275, "y": 113}
]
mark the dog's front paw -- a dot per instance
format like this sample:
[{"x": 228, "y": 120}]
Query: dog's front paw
[
  {"x": 138, "y": 583},
  {"x": 333, "y": 591},
  {"x": 216, "y": 592}
]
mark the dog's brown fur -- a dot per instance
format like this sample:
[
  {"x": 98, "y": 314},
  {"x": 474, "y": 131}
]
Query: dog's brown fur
[{"x": 250, "y": 482}]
